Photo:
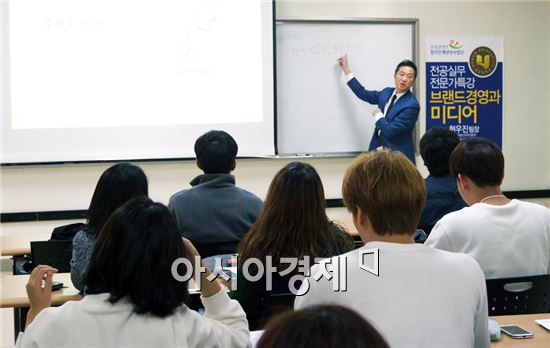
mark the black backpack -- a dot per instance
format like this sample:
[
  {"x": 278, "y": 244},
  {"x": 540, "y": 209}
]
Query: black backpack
[{"x": 67, "y": 232}]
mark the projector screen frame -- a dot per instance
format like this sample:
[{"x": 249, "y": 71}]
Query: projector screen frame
[{"x": 269, "y": 66}]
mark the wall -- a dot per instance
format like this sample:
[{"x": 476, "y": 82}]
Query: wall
[
  {"x": 526, "y": 143},
  {"x": 526, "y": 94}
]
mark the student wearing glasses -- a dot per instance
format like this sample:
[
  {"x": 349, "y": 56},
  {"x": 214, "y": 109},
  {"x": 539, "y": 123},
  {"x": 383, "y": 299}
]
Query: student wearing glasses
[{"x": 397, "y": 109}]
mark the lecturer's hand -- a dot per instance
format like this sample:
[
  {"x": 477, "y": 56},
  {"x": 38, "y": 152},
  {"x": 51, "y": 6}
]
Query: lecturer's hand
[
  {"x": 376, "y": 112},
  {"x": 344, "y": 64}
]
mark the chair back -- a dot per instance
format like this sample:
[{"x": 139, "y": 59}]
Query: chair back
[
  {"x": 520, "y": 295},
  {"x": 67, "y": 232},
  {"x": 55, "y": 253},
  {"x": 212, "y": 249},
  {"x": 357, "y": 242},
  {"x": 277, "y": 303},
  {"x": 274, "y": 301}
]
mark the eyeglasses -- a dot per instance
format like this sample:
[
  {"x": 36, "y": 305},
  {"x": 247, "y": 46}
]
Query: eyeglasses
[{"x": 407, "y": 76}]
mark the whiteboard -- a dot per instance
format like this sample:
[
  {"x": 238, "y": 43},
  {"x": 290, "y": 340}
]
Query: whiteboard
[{"x": 316, "y": 112}]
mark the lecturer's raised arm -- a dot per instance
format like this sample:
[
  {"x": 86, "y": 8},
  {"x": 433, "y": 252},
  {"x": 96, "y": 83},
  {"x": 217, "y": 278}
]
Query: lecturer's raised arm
[
  {"x": 396, "y": 110},
  {"x": 344, "y": 64}
]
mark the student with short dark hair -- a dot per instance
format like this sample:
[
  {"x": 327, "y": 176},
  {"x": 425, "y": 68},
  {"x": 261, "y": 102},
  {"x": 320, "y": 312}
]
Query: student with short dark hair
[
  {"x": 293, "y": 224},
  {"x": 442, "y": 195},
  {"x": 328, "y": 326},
  {"x": 385, "y": 194},
  {"x": 116, "y": 186},
  {"x": 216, "y": 152},
  {"x": 133, "y": 298},
  {"x": 508, "y": 238},
  {"x": 214, "y": 210},
  {"x": 481, "y": 160}
]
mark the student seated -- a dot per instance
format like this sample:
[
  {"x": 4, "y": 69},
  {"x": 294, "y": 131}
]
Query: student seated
[
  {"x": 420, "y": 297},
  {"x": 214, "y": 210},
  {"x": 508, "y": 238},
  {"x": 293, "y": 224},
  {"x": 328, "y": 326},
  {"x": 116, "y": 185},
  {"x": 133, "y": 298},
  {"x": 442, "y": 195}
]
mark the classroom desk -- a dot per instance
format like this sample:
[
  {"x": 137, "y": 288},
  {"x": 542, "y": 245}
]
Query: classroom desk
[
  {"x": 17, "y": 245},
  {"x": 541, "y": 336},
  {"x": 14, "y": 294},
  {"x": 21, "y": 244}
]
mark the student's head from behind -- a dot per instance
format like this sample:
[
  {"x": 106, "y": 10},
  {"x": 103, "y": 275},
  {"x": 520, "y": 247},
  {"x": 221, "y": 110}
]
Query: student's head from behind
[
  {"x": 216, "y": 151},
  {"x": 436, "y": 147},
  {"x": 480, "y": 160},
  {"x": 385, "y": 187},
  {"x": 116, "y": 186},
  {"x": 293, "y": 221},
  {"x": 329, "y": 326},
  {"x": 133, "y": 256},
  {"x": 405, "y": 75},
  {"x": 296, "y": 192}
]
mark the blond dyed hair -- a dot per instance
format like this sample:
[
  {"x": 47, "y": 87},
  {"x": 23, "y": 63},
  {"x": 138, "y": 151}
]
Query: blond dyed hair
[{"x": 389, "y": 190}]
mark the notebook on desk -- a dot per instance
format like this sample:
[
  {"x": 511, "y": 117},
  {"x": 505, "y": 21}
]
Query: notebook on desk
[{"x": 545, "y": 323}]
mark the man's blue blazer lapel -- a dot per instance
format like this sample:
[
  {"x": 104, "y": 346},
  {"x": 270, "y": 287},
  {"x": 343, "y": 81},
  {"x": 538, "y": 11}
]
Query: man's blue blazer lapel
[
  {"x": 399, "y": 105},
  {"x": 384, "y": 97}
]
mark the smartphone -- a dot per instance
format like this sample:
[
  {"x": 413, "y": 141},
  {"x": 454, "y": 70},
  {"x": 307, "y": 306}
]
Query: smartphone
[
  {"x": 56, "y": 286},
  {"x": 515, "y": 331}
]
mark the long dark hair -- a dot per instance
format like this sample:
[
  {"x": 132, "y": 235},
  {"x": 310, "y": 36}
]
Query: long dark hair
[
  {"x": 116, "y": 185},
  {"x": 133, "y": 256},
  {"x": 293, "y": 221}
]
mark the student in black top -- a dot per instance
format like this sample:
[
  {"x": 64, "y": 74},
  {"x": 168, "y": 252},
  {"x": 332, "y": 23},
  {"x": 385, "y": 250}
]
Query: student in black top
[{"x": 442, "y": 195}]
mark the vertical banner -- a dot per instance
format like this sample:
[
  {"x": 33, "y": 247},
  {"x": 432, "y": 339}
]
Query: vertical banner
[{"x": 464, "y": 85}]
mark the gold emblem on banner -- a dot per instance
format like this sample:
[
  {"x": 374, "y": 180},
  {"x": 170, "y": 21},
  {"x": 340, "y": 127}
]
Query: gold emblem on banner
[{"x": 483, "y": 61}]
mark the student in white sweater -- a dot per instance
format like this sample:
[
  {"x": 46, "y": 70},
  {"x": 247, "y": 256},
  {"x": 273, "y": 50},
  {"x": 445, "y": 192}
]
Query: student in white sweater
[
  {"x": 421, "y": 297},
  {"x": 508, "y": 238},
  {"x": 133, "y": 300}
]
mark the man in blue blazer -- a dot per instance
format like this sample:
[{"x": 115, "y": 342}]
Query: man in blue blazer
[{"x": 397, "y": 110}]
